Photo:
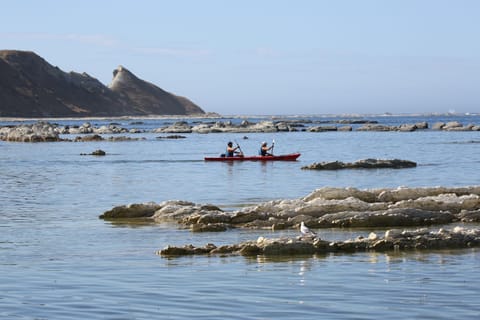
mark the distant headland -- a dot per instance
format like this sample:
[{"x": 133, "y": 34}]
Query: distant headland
[{"x": 30, "y": 87}]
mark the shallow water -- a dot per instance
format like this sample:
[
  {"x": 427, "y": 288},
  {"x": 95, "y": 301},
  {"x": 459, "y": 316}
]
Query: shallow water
[{"x": 58, "y": 260}]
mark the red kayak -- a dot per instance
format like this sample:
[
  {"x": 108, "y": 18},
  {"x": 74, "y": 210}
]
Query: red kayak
[{"x": 282, "y": 157}]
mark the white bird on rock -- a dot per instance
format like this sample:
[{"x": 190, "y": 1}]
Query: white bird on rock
[{"x": 305, "y": 231}]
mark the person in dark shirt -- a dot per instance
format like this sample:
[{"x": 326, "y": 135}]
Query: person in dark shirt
[
  {"x": 265, "y": 148},
  {"x": 232, "y": 151}
]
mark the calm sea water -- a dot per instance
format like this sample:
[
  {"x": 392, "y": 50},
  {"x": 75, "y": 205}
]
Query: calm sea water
[{"x": 59, "y": 261}]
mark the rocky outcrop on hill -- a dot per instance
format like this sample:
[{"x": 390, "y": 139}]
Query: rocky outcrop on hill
[
  {"x": 147, "y": 98},
  {"x": 362, "y": 164},
  {"x": 31, "y": 87}
]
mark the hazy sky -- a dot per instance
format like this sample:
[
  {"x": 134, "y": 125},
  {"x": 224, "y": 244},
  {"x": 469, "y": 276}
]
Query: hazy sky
[{"x": 267, "y": 57}]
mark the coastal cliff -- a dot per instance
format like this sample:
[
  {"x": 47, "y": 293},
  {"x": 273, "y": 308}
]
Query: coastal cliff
[{"x": 31, "y": 87}]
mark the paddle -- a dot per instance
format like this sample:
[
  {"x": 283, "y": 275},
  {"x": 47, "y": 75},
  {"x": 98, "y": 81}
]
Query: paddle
[
  {"x": 273, "y": 145},
  {"x": 241, "y": 151}
]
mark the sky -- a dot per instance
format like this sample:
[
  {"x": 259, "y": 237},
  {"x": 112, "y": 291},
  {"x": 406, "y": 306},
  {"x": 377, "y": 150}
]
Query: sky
[{"x": 269, "y": 57}]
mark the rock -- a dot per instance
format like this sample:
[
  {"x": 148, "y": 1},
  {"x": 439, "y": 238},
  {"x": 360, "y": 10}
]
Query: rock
[
  {"x": 95, "y": 153},
  {"x": 345, "y": 128},
  {"x": 336, "y": 165},
  {"x": 89, "y": 138},
  {"x": 438, "y": 125},
  {"x": 321, "y": 207},
  {"x": 110, "y": 129},
  {"x": 248, "y": 216},
  {"x": 407, "y": 127},
  {"x": 393, "y": 240},
  {"x": 213, "y": 216},
  {"x": 384, "y": 218},
  {"x": 123, "y": 138},
  {"x": 330, "y": 193},
  {"x": 37, "y": 132},
  {"x": 175, "y": 136},
  {"x": 376, "y": 127},
  {"x": 452, "y": 125},
  {"x": 403, "y": 193},
  {"x": 362, "y": 164},
  {"x": 392, "y": 234},
  {"x": 322, "y": 129},
  {"x": 177, "y": 251},
  {"x": 98, "y": 153},
  {"x": 326, "y": 208},
  {"x": 249, "y": 250},
  {"x": 283, "y": 248},
  {"x": 442, "y": 202},
  {"x": 209, "y": 227},
  {"x": 177, "y": 127},
  {"x": 379, "y": 163},
  {"x": 175, "y": 210},
  {"x": 412, "y": 127},
  {"x": 279, "y": 226},
  {"x": 282, "y": 127},
  {"x": 144, "y": 210},
  {"x": 149, "y": 98},
  {"x": 469, "y": 215},
  {"x": 421, "y": 125}
]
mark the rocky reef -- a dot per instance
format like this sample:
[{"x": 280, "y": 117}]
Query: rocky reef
[
  {"x": 37, "y": 132},
  {"x": 44, "y": 131},
  {"x": 391, "y": 240},
  {"x": 326, "y": 208},
  {"x": 286, "y": 125},
  {"x": 323, "y": 208},
  {"x": 362, "y": 164}
]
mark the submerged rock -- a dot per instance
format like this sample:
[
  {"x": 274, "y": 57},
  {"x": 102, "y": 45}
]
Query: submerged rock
[
  {"x": 173, "y": 136},
  {"x": 96, "y": 137},
  {"x": 362, "y": 164},
  {"x": 392, "y": 240},
  {"x": 89, "y": 138}
]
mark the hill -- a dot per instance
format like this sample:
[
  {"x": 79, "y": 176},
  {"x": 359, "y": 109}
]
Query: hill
[{"x": 32, "y": 87}]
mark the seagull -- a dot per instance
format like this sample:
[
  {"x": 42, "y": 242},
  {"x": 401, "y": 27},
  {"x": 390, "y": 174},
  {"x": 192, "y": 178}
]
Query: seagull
[{"x": 305, "y": 231}]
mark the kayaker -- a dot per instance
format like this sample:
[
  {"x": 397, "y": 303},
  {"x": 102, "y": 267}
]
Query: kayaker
[
  {"x": 232, "y": 151},
  {"x": 265, "y": 148}
]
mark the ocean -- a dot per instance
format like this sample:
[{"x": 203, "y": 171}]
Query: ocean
[{"x": 58, "y": 260}]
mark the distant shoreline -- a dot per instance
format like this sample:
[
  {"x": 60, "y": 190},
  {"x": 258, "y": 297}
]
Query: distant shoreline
[{"x": 213, "y": 115}]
